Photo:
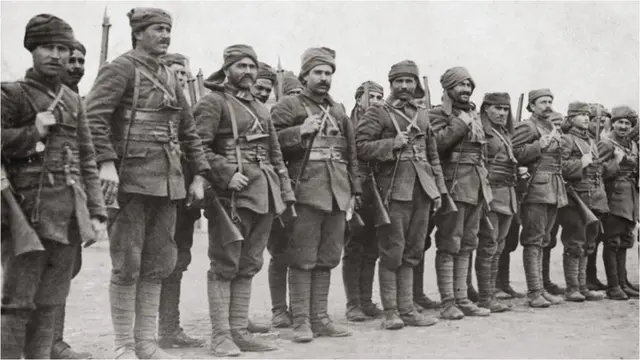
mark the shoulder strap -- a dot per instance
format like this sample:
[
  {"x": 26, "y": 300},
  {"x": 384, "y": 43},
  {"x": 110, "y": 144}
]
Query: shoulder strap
[
  {"x": 234, "y": 129},
  {"x": 134, "y": 107},
  {"x": 256, "y": 120}
]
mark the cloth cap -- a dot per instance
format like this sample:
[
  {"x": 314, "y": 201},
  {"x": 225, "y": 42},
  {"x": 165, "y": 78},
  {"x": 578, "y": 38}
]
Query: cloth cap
[
  {"x": 170, "y": 59},
  {"x": 373, "y": 87},
  {"x": 578, "y": 108},
  {"x": 624, "y": 112},
  {"x": 313, "y": 57},
  {"x": 231, "y": 55},
  {"x": 407, "y": 68},
  {"x": 47, "y": 29},
  {"x": 593, "y": 109},
  {"x": 77, "y": 45},
  {"x": 454, "y": 76},
  {"x": 290, "y": 82},
  {"x": 535, "y": 94},
  {"x": 141, "y": 17},
  {"x": 497, "y": 98},
  {"x": 266, "y": 72}
]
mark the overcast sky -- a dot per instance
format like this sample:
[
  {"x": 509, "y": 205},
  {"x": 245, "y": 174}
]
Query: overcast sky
[{"x": 585, "y": 51}]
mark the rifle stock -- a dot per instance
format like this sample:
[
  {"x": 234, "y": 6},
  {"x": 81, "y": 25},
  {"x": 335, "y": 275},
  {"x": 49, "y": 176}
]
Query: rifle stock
[
  {"x": 229, "y": 229},
  {"x": 586, "y": 214},
  {"x": 520, "y": 104},
  {"x": 427, "y": 92},
  {"x": 380, "y": 213},
  {"x": 448, "y": 205}
]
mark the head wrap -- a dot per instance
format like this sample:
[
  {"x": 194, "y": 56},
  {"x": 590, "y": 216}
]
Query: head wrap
[
  {"x": 373, "y": 87},
  {"x": 497, "y": 98},
  {"x": 593, "y": 109},
  {"x": 578, "y": 108},
  {"x": 47, "y": 29},
  {"x": 313, "y": 57},
  {"x": 77, "y": 45},
  {"x": 624, "y": 112},
  {"x": 170, "y": 59},
  {"x": 140, "y": 18},
  {"x": 535, "y": 94},
  {"x": 290, "y": 82},
  {"x": 266, "y": 72},
  {"x": 230, "y": 56},
  {"x": 455, "y": 76},
  {"x": 407, "y": 68}
]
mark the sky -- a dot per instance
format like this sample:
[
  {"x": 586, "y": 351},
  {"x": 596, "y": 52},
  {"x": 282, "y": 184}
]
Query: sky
[{"x": 582, "y": 51}]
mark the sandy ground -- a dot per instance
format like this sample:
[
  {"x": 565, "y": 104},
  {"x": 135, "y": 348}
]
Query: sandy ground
[{"x": 605, "y": 329}]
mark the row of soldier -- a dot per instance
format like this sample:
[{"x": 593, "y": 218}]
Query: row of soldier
[{"x": 289, "y": 179}]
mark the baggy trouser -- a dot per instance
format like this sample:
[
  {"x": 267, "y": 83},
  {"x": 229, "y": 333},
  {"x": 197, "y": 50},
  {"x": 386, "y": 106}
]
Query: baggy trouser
[{"x": 351, "y": 273}]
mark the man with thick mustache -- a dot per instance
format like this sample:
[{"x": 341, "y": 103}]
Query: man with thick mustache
[
  {"x": 252, "y": 181},
  {"x": 536, "y": 144},
  {"x": 265, "y": 81},
  {"x": 461, "y": 146},
  {"x": 141, "y": 123},
  {"x": 396, "y": 136},
  {"x": 312, "y": 126}
]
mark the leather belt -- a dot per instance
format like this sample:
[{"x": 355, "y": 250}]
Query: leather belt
[{"x": 319, "y": 154}]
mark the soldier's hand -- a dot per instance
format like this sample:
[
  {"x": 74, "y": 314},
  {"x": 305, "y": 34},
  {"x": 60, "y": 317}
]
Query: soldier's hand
[
  {"x": 545, "y": 140},
  {"x": 238, "y": 182},
  {"x": 437, "y": 204},
  {"x": 401, "y": 140},
  {"x": 196, "y": 190},
  {"x": 311, "y": 125},
  {"x": 618, "y": 154},
  {"x": 587, "y": 159},
  {"x": 100, "y": 233},
  {"x": 109, "y": 181}
]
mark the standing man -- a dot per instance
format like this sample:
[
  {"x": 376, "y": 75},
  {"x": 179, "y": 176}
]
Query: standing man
[
  {"x": 140, "y": 123},
  {"x": 397, "y": 136},
  {"x": 265, "y": 81},
  {"x": 249, "y": 174},
  {"x": 536, "y": 144},
  {"x": 497, "y": 120},
  {"x": 318, "y": 143},
  {"x": 461, "y": 146},
  {"x": 361, "y": 248},
  {"x": 50, "y": 164}
]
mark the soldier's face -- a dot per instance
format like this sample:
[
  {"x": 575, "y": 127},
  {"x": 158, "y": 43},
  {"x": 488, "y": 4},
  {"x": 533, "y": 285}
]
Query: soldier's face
[
  {"x": 374, "y": 98},
  {"x": 50, "y": 59},
  {"x": 497, "y": 114},
  {"x": 242, "y": 73},
  {"x": 75, "y": 66},
  {"x": 404, "y": 87},
  {"x": 621, "y": 127},
  {"x": 181, "y": 73},
  {"x": 557, "y": 122},
  {"x": 462, "y": 91},
  {"x": 593, "y": 123},
  {"x": 294, "y": 92},
  {"x": 543, "y": 106},
  {"x": 155, "y": 39},
  {"x": 319, "y": 79},
  {"x": 581, "y": 121},
  {"x": 261, "y": 90}
]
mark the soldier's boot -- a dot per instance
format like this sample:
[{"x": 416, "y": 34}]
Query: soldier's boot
[
  {"x": 609, "y": 256},
  {"x": 487, "y": 271},
  {"x": 621, "y": 258},
  {"x": 123, "y": 313},
  {"x": 300, "y": 302},
  {"x": 351, "y": 281},
  {"x": 389, "y": 296},
  {"x": 408, "y": 314},
  {"x": 571, "y": 266},
  {"x": 367, "y": 273},
  {"x": 147, "y": 303},
  {"x": 472, "y": 294},
  {"x": 39, "y": 333},
  {"x": 548, "y": 285},
  {"x": 321, "y": 323},
  {"x": 280, "y": 318},
  {"x": 531, "y": 262},
  {"x": 419, "y": 297},
  {"x": 444, "y": 274},
  {"x": 239, "y": 318},
  {"x": 503, "y": 278},
  {"x": 219, "y": 296},
  {"x": 589, "y": 295},
  {"x": 460, "y": 278},
  {"x": 14, "y": 330},
  {"x": 593, "y": 283},
  {"x": 60, "y": 349},
  {"x": 170, "y": 334}
]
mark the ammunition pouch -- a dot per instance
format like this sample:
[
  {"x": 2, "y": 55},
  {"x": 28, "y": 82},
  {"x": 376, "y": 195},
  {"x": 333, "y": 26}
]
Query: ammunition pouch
[
  {"x": 256, "y": 151},
  {"x": 154, "y": 126}
]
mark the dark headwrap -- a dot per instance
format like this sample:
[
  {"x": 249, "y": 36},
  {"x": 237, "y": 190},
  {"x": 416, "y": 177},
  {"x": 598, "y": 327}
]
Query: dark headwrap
[
  {"x": 266, "y": 72},
  {"x": 624, "y": 112},
  {"x": 455, "y": 76},
  {"x": 578, "y": 108},
  {"x": 77, "y": 45},
  {"x": 313, "y": 57},
  {"x": 496, "y": 99},
  {"x": 290, "y": 82},
  {"x": 170, "y": 59},
  {"x": 536, "y": 94},
  {"x": 373, "y": 87},
  {"x": 47, "y": 29},
  {"x": 140, "y": 18},
  {"x": 407, "y": 68},
  {"x": 593, "y": 109},
  {"x": 231, "y": 55}
]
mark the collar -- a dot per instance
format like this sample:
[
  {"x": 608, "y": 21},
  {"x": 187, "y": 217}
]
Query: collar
[
  {"x": 51, "y": 83},
  {"x": 545, "y": 123},
  {"x": 239, "y": 93},
  {"x": 318, "y": 99},
  {"x": 152, "y": 62},
  {"x": 581, "y": 133},
  {"x": 400, "y": 103}
]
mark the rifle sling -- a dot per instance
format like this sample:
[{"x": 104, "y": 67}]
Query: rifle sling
[{"x": 236, "y": 139}]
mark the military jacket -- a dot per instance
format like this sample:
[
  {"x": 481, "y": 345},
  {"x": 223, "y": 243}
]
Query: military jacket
[
  {"x": 621, "y": 180},
  {"x": 502, "y": 167}
]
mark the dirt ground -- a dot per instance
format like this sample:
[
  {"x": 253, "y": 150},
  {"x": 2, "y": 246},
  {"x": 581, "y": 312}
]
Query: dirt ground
[{"x": 605, "y": 329}]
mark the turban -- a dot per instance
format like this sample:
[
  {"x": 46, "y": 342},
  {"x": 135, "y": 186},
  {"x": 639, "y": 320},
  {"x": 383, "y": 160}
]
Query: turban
[
  {"x": 497, "y": 98},
  {"x": 624, "y": 112},
  {"x": 170, "y": 59},
  {"x": 455, "y": 76},
  {"x": 266, "y": 72},
  {"x": 47, "y": 29},
  {"x": 578, "y": 108},
  {"x": 535, "y": 94},
  {"x": 593, "y": 109},
  {"x": 290, "y": 82},
  {"x": 140, "y": 18},
  {"x": 407, "y": 68},
  {"x": 313, "y": 57},
  {"x": 77, "y": 45},
  {"x": 231, "y": 55},
  {"x": 373, "y": 87}
]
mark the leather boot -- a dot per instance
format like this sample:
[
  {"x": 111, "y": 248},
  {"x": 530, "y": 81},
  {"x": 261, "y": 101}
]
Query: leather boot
[
  {"x": 444, "y": 273},
  {"x": 548, "y": 285},
  {"x": 551, "y": 298},
  {"x": 367, "y": 273},
  {"x": 622, "y": 274},
  {"x": 460, "y": 278},
  {"x": 239, "y": 318},
  {"x": 419, "y": 297},
  {"x": 571, "y": 266},
  {"x": 147, "y": 302},
  {"x": 123, "y": 313},
  {"x": 531, "y": 262},
  {"x": 389, "y": 297},
  {"x": 170, "y": 334},
  {"x": 609, "y": 256},
  {"x": 39, "y": 334},
  {"x": 351, "y": 281},
  {"x": 60, "y": 349},
  {"x": 219, "y": 296},
  {"x": 503, "y": 280},
  {"x": 281, "y": 318},
  {"x": 590, "y": 295},
  {"x": 593, "y": 283},
  {"x": 300, "y": 302},
  {"x": 408, "y": 314},
  {"x": 14, "y": 330}
]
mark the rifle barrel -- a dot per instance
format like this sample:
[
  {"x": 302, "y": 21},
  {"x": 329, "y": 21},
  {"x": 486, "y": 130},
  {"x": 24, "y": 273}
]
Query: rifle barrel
[{"x": 104, "y": 46}]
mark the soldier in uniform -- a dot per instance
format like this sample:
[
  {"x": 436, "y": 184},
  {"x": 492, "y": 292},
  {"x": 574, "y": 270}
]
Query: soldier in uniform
[
  {"x": 290, "y": 84},
  {"x": 582, "y": 169},
  {"x": 361, "y": 249},
  {"x": 265, "y": 81},
  {"x": 396, "y": 137},
  {"x": 141, "y": 123},
  {"x": 316, "y": 132},
  {"x": 461, "y": 146},
  {"x": 249, "y": 174},
  {"x": 497, "y": 120},
  {"x": 49, "y": 157},
  {"x": 536, "y": 145},
  {"x": 619, "y": 153}
]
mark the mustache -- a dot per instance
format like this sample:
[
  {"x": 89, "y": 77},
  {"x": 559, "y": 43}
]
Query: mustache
[
  {"x": 468, "y": 93},
  {"x": 247, "y": 76},
  {"x": 76, "y": 72},
  {"x": 323, "y": 83},
  {"x": 164, "y": 41},
  {"x": 548, "y": 110}
]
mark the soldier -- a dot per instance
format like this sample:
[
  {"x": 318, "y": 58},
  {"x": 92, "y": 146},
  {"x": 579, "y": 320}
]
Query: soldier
[
  {"x": 497, "y": 120},
  {"x": 318, "y": 143},
  {"x": 50, "y": 162},
  {"x": 178, "y": 64},
  {"x": 461, "y": 146},
  {"x": 265, "y": 81},
  {"x": 361, "y": 249},
  {"x": 242, "y": 148},
  {"x": 291, "y": 85},
  {"x": 536, "y": 145},
  {"x": 582, "y": 169},
  {"x": 141, "y": 119},
  {"x": 619, "y": 153},
  {"x": 396, "y": 135},
  {"x": 75, "y": 67}
]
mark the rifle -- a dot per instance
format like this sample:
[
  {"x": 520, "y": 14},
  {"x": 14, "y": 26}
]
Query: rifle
[
  {"x": 191, "y": 86},
  {"x": 24, "y": 236},
  {"x": 519, "y": 112},
  {"x": 280, "y": 80},
  {"x": 427, "y": 92},
  {"x": 104, "y": 45},
  {"x": 200, "y": 82}
]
